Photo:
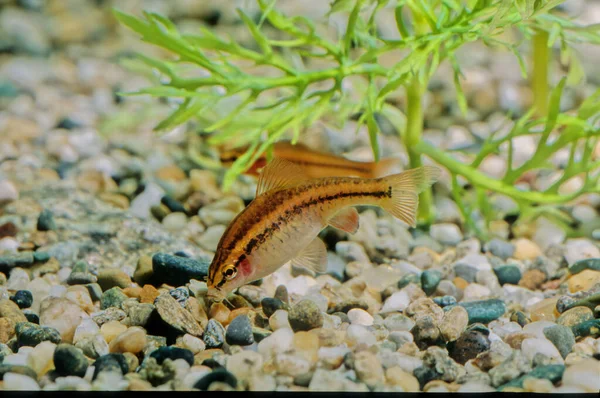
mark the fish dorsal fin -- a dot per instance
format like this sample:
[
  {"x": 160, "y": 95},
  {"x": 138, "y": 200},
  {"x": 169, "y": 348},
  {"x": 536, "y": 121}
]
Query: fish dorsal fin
[
  {"x": 346, "y": 220},
  {"x": 313, "y": 257},
  {"x": 279, "y": 174}
]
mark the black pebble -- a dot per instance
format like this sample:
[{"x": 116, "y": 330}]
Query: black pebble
[
  {"x": 172, "y": 204},
  {"x": 67, "y": 124},
  {"x": 172, "y": 353},
  {"x": 178, "y": 271},
  {"x": 470, "y": 344},
  {"x": 425, "y": 374},
  {"x": 32, "y": 317},
  {"x": 69, "y": 361},
  {"x": 219, "y": 374},
  {"x": 30, "y": 334},
  {"x": 110, "y": 362},
  {"x": 46, "y": 221},
  {"x": 270, "y": 305},
  {"x": 211, "y": 363},
  {"x": 23, "y": 298},
  {"x": 239, "y": 331}
]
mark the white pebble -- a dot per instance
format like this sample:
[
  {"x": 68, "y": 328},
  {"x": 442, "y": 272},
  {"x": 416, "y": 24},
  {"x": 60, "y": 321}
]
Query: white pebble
[
  {"x": 9, "y": 244},
  {"x": 87, "y": 328},
  {"x": 19, "y": 382},
  {"x": 175, "y": 221},
  {"x": 537, "y": 328},
  {"x": 8, "y": 192},
  {"x": 358, "y": 334},
  {"x": 359, "y": 316},
  {"x": 280, "y": 341},
  {"x": 16, "y": 359},
  {"x": 584, "y": 375},
  {"x": 279, "y": 320},
  {"x": 446, "y": 233},
  {"x": 192, "y": 378},
  {"x": 398, "y": 301},
  {"x": 475, "y": 291},
  {"x": 194, "y": 344},
  {"x": 533, "y": 346},
  {"x": 57, "y": 291},
  {"x": 18, "y": 279}
]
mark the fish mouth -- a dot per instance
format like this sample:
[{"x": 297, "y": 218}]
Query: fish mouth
[{"x": 215, "y": 295}]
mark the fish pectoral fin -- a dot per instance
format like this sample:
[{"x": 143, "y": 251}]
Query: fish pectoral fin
[
  {"x": 279, "y": 174},
  {"x": 313, "y": 257},
  {"x": 346, "y": 220}
]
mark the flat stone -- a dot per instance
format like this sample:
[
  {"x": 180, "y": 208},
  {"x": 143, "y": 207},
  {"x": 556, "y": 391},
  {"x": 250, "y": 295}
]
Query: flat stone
[
  {"x": 484, "y": 311},
  {"x": 178, "y": 271},
  {"x": 174, "y": 315},
  {"x": 562, "y": 337}
]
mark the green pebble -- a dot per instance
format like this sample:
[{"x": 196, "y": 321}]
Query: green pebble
[
  {"x": 484, "y": 311},
  {"x": 588, "y": 263},
  {"x": 562, "y": 337},
  {"x": 112, "y": 298},
  {"x": 590, "y": 301},
  {"x": 508, "y": 274},
  {"x": 430, "y": 281},
  {"x": 80, "y": 266},
  {"x": 553, "y": 373},
  {"x": 408, "y": 279},
  {"x": 588, "y": 328},
  {"x": 95, "y": 291},
  {"x": 41, "y": 257}
]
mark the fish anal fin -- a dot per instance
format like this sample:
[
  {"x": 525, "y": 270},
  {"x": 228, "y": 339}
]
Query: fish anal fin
[
  {"x": 279, "y": 174},
  {"x": 313, "y": 257},
  {"x": 346, "y": 220}
]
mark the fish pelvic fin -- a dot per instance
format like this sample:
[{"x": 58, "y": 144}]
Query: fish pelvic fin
[
  {"x": 346, "y": 220},
  {"x": 385, "y": 167},
  {"x": 405, "y": 188},
  {"x": 312, "y": 257}
]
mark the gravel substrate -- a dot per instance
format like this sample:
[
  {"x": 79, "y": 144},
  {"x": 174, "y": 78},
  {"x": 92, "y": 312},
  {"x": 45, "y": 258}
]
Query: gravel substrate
[{"x": 107, "y": 230}]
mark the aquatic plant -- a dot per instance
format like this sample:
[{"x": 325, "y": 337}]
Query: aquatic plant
[{"x": 256, "y": 94}]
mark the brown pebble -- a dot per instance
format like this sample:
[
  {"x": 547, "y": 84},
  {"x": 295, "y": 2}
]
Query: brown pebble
[
  {"x": 8, "y": 309},
  {"x": 460, "y": 283},
  {"x": 132, "y": 340},
  {"x": 143, "y": 272},
  {"x": 575, "y": 316},
  {"x": 240, "y": 311},
  {"x": 7, "y": 330},
  {"x": 133, "y": 292},
  {"x": 514, "y": 340},
  {"x": 544, "y": 310},
  {"x": 584, "y": 280},
  {"x": 111, "y": 277},
  {"x": 197, "y": 311},
  {"x": 26, "y": 247},
  {"x": 532, "y": 279},
  {"x": 219, "y": 312},
  {"x": 8, "y": 229},
  {"x": 148, "y": 294},
  {"x": 115, "y": 199},
  {"x": 170, "y": 173}
]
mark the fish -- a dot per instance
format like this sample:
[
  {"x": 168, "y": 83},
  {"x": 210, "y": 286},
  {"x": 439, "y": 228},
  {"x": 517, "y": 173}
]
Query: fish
[
  {"x": 316, "y": 164},
  {"x": 289, "y": 211}
]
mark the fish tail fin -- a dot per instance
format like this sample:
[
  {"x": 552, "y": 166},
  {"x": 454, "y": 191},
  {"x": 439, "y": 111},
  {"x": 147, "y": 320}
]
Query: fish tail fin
[
  {"x": 384, "y": 167},
  {"x": 405, "y": 188}
]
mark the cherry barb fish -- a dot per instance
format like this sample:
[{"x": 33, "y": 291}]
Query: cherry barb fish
[
  {"x": 290, "y": 209},
  {"x": 316, "y": 164}
]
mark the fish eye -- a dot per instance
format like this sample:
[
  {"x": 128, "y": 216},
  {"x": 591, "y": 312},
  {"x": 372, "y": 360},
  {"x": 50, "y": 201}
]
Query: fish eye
[{"x": 230, "y": 272}]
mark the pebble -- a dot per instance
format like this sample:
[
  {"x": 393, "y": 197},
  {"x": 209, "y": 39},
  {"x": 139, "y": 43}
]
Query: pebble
[
  {"x": 113, "y": 277},
  {"x": 500, "y": 248},
  {"x": 133, "y": 340},
  {"x": 270, "y": 305},
  {"x": 430, "y": 279},
  {"x": 446, "y": 233},
  {"x": 110, "y": 362},
  {"x": 484, "y": 311},
  {"x": 29, "y": 334},
  {"x": 217, "y": 375},
  {"x": 397, "y": 302},
  {"x": 8, "y": 192},
  {"x": 398, "y": 322},
  {"x": 113, "y": 297},
  {"x": 454, "y": 323},
  {"x": 192, "y": 343},
  {"x": 69, "y": 361},
  {"x": 214, "y": 335},
  {"x": 584, "y": 375},
  {"x": 368, "y": 368},
  {"x": 279, "y": 341},
  {"x": 470, "y": 344},
  {"x": 532, "y": 346},
  {"x": 111, "y": 329},
  {"x": 358, "y": 334},
  {"x": 580, "y": 249},
  {"x": 109, "y": 314},
  {"x": 358, "y": 316},
  {"x": 177, "y": 271},
  {"x": 532, "y": 279},
  {"x": 46, "y": 221},
  {"x": 553, "y": 373},
  {"x": 239, "y": 331},
  {"x": 465, "y": 272},
  {"x": 581, "y": 265},
  {"x": 279, "y": 320},
  {"x": 140, "y": 314},
  {"x": 175, "y": 221},
  {"x": 583, "y": 281},
  {"x": 173, "y": 353},
  {"x": 148, "y": 294},
  {"x": 245, "y": 365},
  {"x": 396, "y": 376},
  {"x": 574, "y": 316},
  {"x": 40, "y": 359},
  {"x": 19, "y": 382},
  {"x": 143, "y": 271},
  {"x": 526, "y": 249},
  {"x": 510, "y": 274},
  {"x": 562, "y": 337},
  {"x": 305, "y": 315},
  {"x": 172, "y": 314},
  {"x": 291, "y": 365},
  {"x": 219, "y": 312}
]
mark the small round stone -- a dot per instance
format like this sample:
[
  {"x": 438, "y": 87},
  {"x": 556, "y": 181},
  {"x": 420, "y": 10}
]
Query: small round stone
[
  {"x": 172, "y": 353},
  {"x": 470, "y": 344},
  {"x": 217, "y": 375},
  {"x": 508, "y": 274},
  {"x": 112, "y": 298},
  {"x": 133, "y": 340},
  {"x": 29, "y": 334},
  {"x": 176, "y": 270},
  {"x": 113, "y": 277},
  {"x": 70, "y": 361},
  {"x": 270, "y": 305},
  {"x": 454, "y": 323},
  {"x": 430, "y": 279},
  {"x": 46, "y": 221},
  {"x": 214, "y": 335},
  {"x": 111, "y": 329},
  {"x": 358, "y": 316},
  {"x": 23, "y": 298},
  {"x": 562, "y": 337},
  {"x": 575, "y": 315},
  {"x": 110, "y": 362},
  {"x": 305, "y": 315},
  {"x": 239, "y": 331}
]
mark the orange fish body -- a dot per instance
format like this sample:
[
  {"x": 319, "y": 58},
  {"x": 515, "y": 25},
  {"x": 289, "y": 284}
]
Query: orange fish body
[
  {"x": 315, "y": 164},
  {"x": 282, "y": 223}
]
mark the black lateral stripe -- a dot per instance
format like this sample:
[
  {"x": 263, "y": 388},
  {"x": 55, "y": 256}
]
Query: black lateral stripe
[{"x": 268, "y": 232}]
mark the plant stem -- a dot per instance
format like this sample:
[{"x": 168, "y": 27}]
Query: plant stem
[
  {"x": 539, "y": 76},
  {"x": 414, "y": 131}
]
